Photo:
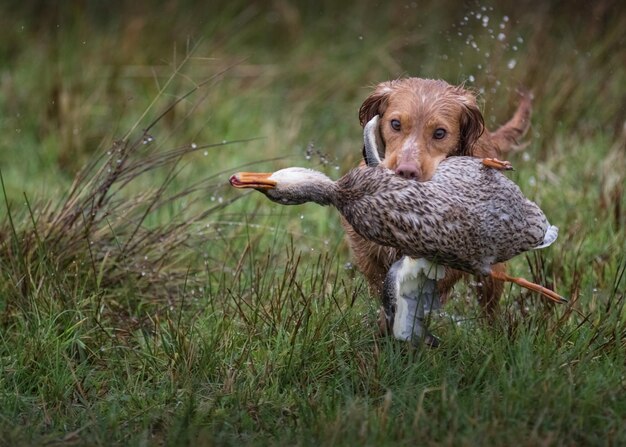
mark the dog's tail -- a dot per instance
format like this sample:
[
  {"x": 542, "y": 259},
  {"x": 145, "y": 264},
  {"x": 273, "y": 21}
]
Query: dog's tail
[{"x": 508, "y": 137}]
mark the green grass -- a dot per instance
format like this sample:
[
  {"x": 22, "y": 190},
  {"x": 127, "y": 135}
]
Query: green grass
[{"x": 144, "y": 302}]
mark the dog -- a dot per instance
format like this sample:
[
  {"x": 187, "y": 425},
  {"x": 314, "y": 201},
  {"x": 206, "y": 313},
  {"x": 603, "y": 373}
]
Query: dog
[{"x": 422, "y": 122}]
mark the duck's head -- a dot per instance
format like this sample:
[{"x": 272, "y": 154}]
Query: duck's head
[{"x": 290, "y": 186}]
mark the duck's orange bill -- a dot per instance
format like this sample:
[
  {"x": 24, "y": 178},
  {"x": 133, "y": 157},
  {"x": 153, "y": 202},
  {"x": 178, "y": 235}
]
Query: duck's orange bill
[{"x": 257, "y": 180}]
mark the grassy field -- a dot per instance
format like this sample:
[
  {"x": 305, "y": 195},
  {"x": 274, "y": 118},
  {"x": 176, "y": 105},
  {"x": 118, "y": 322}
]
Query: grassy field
[{"x": 142, "y": 301}]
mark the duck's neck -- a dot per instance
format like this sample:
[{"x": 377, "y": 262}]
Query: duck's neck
[
  {"x": 295, "y": 186},
  {"x": 323, "y": 192}
]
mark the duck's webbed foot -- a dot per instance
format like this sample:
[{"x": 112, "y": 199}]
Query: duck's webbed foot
[
  {"x": 501, "y": 165},
  {"x": 550, "y": 294}
]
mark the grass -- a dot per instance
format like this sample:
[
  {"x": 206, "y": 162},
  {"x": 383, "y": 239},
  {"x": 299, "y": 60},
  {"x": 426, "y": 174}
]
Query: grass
[{"x": 144, "y": 302}]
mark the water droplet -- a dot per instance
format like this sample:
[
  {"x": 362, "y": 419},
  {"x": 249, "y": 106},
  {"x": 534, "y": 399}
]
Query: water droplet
[
  {"x": 501, "y": 37},
  {"x": 194, "y": 146},
  {"x": 360, "y": 37},
  {"x": 205, "y": 153},
  {"x": 224, "y": 141},
  {"x": 143, "y": 273},
  {"x": 511, "y": 64},
  {"x": 471, "y": 78},
  {"x": 301, "y": 216},
  {"x": 520, "y": 40},
  {"x": 505, "y": 18}
]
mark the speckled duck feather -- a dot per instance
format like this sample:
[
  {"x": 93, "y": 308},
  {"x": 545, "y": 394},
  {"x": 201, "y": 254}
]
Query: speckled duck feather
[{"x": 467, "y": 216}]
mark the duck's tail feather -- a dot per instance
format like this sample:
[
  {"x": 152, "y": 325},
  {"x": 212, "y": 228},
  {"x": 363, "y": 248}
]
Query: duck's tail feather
[{"x": 551, "y": 234}]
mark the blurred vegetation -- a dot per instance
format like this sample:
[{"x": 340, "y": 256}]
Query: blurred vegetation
[{"x": 142, "y": 301}]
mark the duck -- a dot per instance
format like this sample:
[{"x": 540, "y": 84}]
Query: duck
[{"x": 469, "y": 216}]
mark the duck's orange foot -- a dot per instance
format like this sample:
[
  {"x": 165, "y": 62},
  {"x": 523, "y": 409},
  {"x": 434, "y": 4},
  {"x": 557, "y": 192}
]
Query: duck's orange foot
[
  {"x": 550, "y": 294},
  {"x": 497, "y": 164}
]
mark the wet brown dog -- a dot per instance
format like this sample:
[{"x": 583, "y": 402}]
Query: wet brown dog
[{"x": 422, "y": 122}]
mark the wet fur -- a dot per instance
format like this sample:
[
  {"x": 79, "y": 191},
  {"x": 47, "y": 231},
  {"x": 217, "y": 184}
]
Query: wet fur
[{"x": 423, "y": 105}]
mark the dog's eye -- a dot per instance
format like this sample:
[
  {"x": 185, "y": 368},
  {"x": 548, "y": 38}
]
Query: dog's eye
[
  {"x": 395, "y": 124},
  {"x": 439, "y": 133}
]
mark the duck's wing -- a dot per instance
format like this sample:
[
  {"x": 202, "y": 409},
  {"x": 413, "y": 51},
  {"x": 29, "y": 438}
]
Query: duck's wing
[
  {"x": 410, "y": 288},
  {"x": 372, "y": 142}
]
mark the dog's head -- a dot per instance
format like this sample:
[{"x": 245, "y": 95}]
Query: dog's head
[{"x": 422, "y": 122}]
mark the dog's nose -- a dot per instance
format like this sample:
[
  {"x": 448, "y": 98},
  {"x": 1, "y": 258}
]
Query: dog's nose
[{"x": 409, "y": 171}]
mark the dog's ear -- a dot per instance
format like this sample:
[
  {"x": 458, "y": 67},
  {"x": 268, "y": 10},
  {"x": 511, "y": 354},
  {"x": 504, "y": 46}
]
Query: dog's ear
[
  {"x": 374, "y": 106},
  {"x": 472, "y": 125},
  {"x": 376, "y": 103}
]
